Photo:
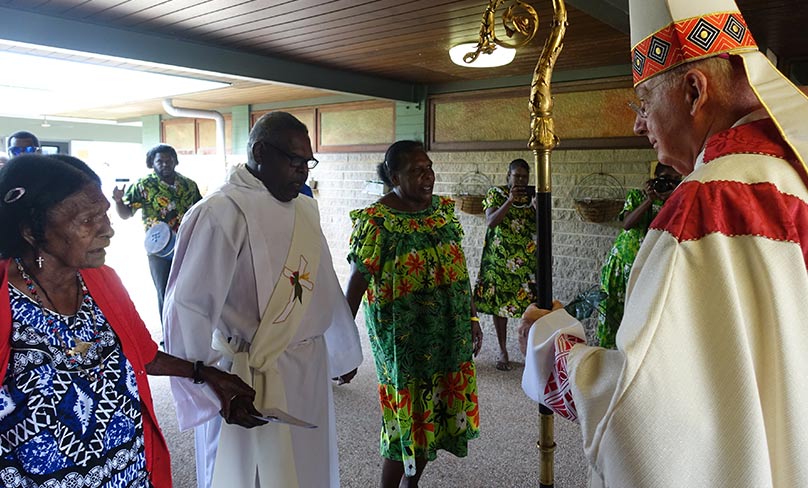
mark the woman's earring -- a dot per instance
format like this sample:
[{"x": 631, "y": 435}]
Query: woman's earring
[{"x": 39, "y": 261}]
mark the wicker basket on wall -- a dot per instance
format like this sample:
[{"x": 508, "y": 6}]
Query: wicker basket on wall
[
  {"x": 470, "y": 192},
  {"x": 471, "y": 204},
  {"x": 598, "y": 197}
]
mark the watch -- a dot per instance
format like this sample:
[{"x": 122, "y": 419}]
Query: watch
[{"x": 198, "y": 372}]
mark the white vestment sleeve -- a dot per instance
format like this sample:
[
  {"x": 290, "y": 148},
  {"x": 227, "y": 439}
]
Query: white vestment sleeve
[
  {"x": 342, "y": 340},
  {"x": 341, "y": 337},
  {"x": 697, "y": 374},
  {"x": 205, "y": 254},
  {"x": 541, "y": 350}
]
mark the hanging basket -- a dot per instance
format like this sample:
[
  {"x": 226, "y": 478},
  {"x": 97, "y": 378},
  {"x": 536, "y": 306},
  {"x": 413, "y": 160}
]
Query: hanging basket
[
  {"x": 470, "y": 192},
  {"x": 471, "y": 204},
  {"x": 598, "y": 197},
  {"x": 598, "y": 210}
]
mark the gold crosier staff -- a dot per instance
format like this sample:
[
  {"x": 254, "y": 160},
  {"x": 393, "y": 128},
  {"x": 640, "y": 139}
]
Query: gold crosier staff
[{"x": 542, "y": 141}]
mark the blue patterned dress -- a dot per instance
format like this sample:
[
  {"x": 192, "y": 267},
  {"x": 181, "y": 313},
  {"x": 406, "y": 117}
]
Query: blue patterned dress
[{"x": 68, "y": 421}]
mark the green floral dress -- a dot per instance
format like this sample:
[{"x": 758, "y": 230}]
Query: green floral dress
[
  {"x": 161, "y": 202},
  {"x": 506, "y": 283},
  {"x": 617, "y": 268},
  {"x": 417, "y": 310}
]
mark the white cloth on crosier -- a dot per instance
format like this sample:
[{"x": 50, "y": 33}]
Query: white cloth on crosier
[
  {"x": 707, "y": 386},
  {"x": 221, "y": 279}
]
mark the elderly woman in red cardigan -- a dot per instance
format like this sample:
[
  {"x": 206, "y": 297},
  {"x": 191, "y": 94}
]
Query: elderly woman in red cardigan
[{"x": 75, "y": 404}]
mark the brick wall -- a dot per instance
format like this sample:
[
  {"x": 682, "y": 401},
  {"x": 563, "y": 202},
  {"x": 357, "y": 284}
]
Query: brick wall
[{"x": 579, "y": 247}]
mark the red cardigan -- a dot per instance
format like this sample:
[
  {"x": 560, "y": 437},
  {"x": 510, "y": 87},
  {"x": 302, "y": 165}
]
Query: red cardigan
[{"x": 138, "y": 347}]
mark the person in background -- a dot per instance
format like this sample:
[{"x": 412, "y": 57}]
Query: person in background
[
  {"x": 75, "y": 403},
  {"x": 162, "y": 196},
  {"x": 707, "y": 384},
  {"x": 253, "y": 289},
  {"x": 641, "y": 207},
  {"x": 3, "y": 160},
  {"x": 506, "y": 282},
  {"x": 22, "y": 142},
  {"x": 408, "y": 264}
]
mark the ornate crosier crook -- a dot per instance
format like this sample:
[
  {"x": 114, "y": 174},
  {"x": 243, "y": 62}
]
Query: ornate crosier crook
[
  {"x": 525, "y": 24},
  {"x": 542, "y": 142}
]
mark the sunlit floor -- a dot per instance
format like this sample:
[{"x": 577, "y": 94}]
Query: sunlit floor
[{"x": 504, "y": 456}]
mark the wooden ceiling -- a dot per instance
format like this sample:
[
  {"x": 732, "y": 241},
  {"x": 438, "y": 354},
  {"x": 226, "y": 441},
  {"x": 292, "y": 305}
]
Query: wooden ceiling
[
  {"x": 380, "y": 48},
  {"x": 405, "y": 40}
]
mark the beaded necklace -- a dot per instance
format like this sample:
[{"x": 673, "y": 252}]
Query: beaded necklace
[{"x": 72, "y": 354}]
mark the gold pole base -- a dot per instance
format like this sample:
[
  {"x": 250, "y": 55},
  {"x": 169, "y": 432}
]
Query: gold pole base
[{"x": 546, "y": 445}]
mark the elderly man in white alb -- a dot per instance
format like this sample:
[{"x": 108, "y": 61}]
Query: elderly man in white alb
[
  {"x": 253, "y": 289},
  {"x": 707, "y": 387}
]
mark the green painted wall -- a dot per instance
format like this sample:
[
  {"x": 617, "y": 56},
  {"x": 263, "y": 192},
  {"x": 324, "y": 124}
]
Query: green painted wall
[
  {"x": 151, "y": 131},
  {"x": 411, "y": 121},
  {"x": 241, "y": 128}
]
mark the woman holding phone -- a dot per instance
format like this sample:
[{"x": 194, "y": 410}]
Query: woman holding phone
[{"x": 506, "y": 282}]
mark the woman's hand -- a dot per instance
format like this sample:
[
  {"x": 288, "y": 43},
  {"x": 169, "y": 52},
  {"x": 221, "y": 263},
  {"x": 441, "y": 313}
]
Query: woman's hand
[
  {"x": 517, "y": 193},
  {"x": 652, "y": 194},
  {"x": 476, "y": 336},
  {"x": 241, "y": 411},
  {"x": 235, "y": 396}
]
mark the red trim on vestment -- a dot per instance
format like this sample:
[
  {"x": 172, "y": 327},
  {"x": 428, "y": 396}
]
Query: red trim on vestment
[
  {"x": 736, "y": 208},
  {"x": 758, "y": 137},
  {"x": 558, "y": 390},
  {"x": 732, "y": 208}
]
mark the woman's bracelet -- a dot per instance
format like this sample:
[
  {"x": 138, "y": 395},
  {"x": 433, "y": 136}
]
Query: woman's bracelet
[
  {"x": 475, "y": 319},
  {"x": 197, "y": 377}
]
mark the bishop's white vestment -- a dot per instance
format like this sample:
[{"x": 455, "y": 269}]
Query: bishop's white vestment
[
  {"x": 707, "y": 387},
  {"x": 231, "y": 249}
]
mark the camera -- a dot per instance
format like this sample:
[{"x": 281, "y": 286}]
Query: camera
[
  {"x": 663, "y": 184},
  {"x": 529, "y": 190}
]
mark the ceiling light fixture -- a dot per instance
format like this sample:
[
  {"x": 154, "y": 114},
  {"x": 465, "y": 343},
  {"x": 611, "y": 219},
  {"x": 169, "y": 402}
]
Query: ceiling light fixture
[{"x": 499, "y": 57}]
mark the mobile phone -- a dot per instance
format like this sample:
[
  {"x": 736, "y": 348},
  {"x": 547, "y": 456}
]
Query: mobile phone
[{"x": 530, "y": 190}]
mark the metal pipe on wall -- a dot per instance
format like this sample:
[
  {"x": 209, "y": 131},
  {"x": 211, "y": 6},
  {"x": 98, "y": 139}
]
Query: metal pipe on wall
[{"x": 201, "y": 114}]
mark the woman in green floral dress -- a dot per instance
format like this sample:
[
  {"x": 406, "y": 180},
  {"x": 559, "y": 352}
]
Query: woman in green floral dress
[
  {"x": 407, "y": 263},
  {"x": 641, "y": 207},
  {"x": 505, "y": 285}
]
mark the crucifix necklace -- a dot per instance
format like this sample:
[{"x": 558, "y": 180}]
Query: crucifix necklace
[{"x": 80, "y": 347}]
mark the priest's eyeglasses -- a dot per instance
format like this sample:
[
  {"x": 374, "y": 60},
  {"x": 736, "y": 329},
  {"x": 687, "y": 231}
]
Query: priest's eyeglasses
[
  {"x": 638, "y": 109},
  {"x": 295, "y": 160}
]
